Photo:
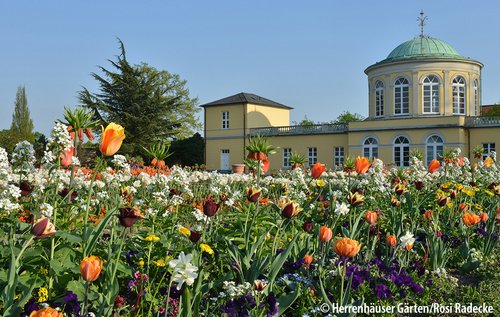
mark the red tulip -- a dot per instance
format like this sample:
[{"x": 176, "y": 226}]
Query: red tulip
[
  {"x": 433, "y": 166},
  {"x": 317, "y": 170},
  {"x": 362, "y": 164}
]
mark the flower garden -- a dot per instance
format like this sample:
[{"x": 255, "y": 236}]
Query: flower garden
[{"x": 123, "y": 239}]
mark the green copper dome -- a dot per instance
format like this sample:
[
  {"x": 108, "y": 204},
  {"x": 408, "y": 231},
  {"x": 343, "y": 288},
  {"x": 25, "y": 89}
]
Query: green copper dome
[{"x": 423, "y": 47}]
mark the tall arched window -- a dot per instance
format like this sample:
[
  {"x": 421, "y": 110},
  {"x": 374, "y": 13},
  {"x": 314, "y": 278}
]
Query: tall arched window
[
  {"x": 402, "y": 151},
  {"x": 430, "y": 87},
  {"x": 379, "y": 99},
  {"x": 458, "y": 91},
  {"x": 370, "y": 148},
  {"x": 401, "y": 96},
  {"x": 476, "y": 97},
  {"x": 435, "y": 147}
]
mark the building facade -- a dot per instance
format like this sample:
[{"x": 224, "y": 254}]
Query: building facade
[{"x": 424, "y": 96}]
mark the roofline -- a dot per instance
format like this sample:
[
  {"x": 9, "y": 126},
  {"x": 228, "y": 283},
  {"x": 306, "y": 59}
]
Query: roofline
[
  {"x": 421, "y": 59},
  {"x": 246, "y": 103}
]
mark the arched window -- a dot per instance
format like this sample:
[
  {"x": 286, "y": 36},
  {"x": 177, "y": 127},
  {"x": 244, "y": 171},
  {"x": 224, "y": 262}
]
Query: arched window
[
  {"x": 430, "y": 87},
  {"x": 476, "y": 97},
  {"x": 370, "y": 148},
  {"x": 401, "y": 96},
  {"x": 379, "y": 99},
  {"x": 435, "y": 147},
  {"x": 458, "y": 91},
  {"x": 402, "y": 151}
]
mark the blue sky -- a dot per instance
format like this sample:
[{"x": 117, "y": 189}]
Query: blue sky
[{"x": 309, "y": 55}]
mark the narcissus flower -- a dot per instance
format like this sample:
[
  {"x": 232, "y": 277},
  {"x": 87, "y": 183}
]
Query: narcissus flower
[
  {"x": 407, "y": 241},
  {"x": 391, "y": 241},
  {"x": 43, "y": 228},
  {"x": 210, "y": 207},
  {"x": 183, "y": 270},
  {"x": 90, "y": 268},
  {"x": 112, "y": 138},
  {"x": 317, "y": 169},
  {"x": 433, "y": 166},
  {"x": 46, "y": 312},
  {"x": 371, "y": 217},
  {"x": 470, "y": 219},
  {"x": 347, "y": 247},
  {"x": 325, "y": 234},
  {"x": 361, "y": 164}
]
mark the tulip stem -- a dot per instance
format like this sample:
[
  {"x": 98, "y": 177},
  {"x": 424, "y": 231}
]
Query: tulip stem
[
  {"x": 86, "y": 299},
  {"x": 25, "y": 245}
]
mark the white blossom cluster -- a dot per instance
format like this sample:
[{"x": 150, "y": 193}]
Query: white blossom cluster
[
  {"x": 9, "y": 193},
  {"x": 232, "y": 290},
  {"x": 23, "y": 157}
]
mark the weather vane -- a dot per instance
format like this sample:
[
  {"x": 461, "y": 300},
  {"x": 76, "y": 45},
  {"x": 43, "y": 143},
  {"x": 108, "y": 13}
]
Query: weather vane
[{"x": 421, "y": 21}]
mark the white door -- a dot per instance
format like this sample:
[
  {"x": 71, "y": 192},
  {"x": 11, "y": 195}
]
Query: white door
[{"x": 225, "y": 163}]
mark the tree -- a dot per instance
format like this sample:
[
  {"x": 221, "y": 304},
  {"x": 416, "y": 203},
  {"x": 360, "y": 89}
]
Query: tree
[
  {"x": 346, "y": 117},
  {"x": 187, "y": 152},
  {"x": 306, "y": 122},
  {"x": 22, "y": 125},
  {"x": 151, "y": 105}
]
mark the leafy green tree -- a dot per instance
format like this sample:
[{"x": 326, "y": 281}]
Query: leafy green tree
[
  {"x": 306, "y": 122},
  {"x": 187, "y": 152},
  {"x": 22, "y": 125},
  {"x": 7, "y": 140},
  {"x": 39, "y": 144},
  {"x": 346, "y": 117},
  {"x": 150, "y": 104},
  {"x": 493, "y": 112}
]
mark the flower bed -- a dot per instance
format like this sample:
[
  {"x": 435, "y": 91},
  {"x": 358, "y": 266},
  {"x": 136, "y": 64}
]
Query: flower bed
[{"x": 125, "y": 240}]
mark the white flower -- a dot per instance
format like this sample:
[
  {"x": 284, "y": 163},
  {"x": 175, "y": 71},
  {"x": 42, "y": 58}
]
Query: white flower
[
  {"x": 184, "y": 271},
  {"x": 407, "y": 240},
  {"x": 46, "y": 210},
  {"x": 342, "y": 209}
]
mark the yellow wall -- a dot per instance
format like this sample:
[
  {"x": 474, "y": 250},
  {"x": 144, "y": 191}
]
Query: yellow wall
[
  {"x": 478, "y": 136},
  {"x": 213, "y": 120},
  {"x": 213, "y": 152},
  {"x": 264, "y": 116}
]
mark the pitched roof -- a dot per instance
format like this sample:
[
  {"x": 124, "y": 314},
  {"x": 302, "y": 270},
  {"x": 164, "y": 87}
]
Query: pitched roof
[{"x": 244, "y": 97}]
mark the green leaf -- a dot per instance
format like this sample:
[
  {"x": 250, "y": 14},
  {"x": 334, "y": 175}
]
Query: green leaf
[
  {"x": 286, "y": 300},
  {"x": 95, "y": 234},
  {"x": 77, "y": 287}
]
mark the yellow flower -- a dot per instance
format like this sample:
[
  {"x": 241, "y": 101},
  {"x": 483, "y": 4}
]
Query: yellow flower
[
  {"x": 478, "y": 207},
  {"x": 160, "y": 263},
  {"x": 43, "y": 271},
  {"x": 489, "y": 193},
  {"x": 43, "y": 294},
  {"x": 184, "y": 231},
  {"x": 320, "y": 183},
  {"x": 111, "y": 139},
  {"x": 152, "y": 238},
  {"x": 459, "y": 186},
  {"x": 206, "y": 248},
  {"x": 140, "y": 262}
]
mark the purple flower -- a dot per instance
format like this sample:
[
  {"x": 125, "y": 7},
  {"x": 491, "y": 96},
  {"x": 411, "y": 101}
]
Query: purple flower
[
  {"x": 31, "y": 306},
  {"x": 416, "y": 288},
  {"x": 71, "y": 304},
  {"x": 382, "y": 291},
  {"x": 273, "y": 305}
]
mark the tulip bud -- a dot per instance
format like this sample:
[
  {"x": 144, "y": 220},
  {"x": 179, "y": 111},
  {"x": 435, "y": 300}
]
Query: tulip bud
[
  {"x": 347, "y": 247},
  {"x": 484, "y": 217},
  {"x": 356, "y": 199},
  {"x": 259, "y": 285},
  {"x": 253, "y": 194},
  {"x": 419, "y": 185},
  {"x": 428, "y": 214},
  {"x": 43, "y": 228},
  {"x": 129, "y": 216},
  {"x": 210, "y": 207},
  {"x": 433, "y": 166},
  {"x": 371, "y": 217},
  {"x": 442, "y": 200},
  {"x": 394, "y": 201},
  {"x": 290, "y": 210},
  {"x": 307, "y": 226},
  {"x": 308, "y": 259},
  {"x": 463, "y": 207},
  {"x": 195, "y": 236},
  {"x": 325, "y": 234},
  {"x": 391, "y": 241},
  {"x": 90, "y": 268}
]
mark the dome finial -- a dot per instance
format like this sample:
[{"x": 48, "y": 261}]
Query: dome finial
[{"x": 421, "y": 21}]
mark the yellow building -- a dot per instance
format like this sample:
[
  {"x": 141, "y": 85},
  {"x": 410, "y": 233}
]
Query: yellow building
[{"x": 424, "y": 96}]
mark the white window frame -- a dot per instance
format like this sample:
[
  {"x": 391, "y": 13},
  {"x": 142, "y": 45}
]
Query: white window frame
[
  {"x": 287, "y": 153},
  {"x": 458, "y": 93},
  {"x": 401, "y": 151},
  {"x": 476, "y": 97},
  {"x": 487, "y": 149},
  {"x": 434, "y": 147},
  {"x": 370, "y": 147},
  {"x": 430, "y": 95},
  {"x": 401, "y": 92},
  {"x": 225, "y": 120},
  {"x": 379, "y": 99},
  {"x": 312, "y": 155},
  {"x": 338, "y": 156}
]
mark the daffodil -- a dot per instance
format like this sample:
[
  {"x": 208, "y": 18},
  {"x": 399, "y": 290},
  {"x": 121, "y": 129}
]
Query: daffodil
[{"x": 206, "y": 248}]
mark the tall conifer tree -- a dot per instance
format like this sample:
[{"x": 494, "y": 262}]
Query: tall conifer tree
[{"x": 22, "y": 125}]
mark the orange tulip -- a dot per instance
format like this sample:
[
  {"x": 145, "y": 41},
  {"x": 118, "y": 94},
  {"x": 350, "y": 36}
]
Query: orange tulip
[
  {"x": 484, "y": 217},
  {"x": 46, "y": 312},
  {"x": 470, "y": 219},
  {"x": 371, "y": 217},
  {"x": 317, "y": 169},
  {"x": 90, "y": 268},
  {"x": 308, "y": 260},
  {"x": 362, "y": 164},
  {"x": 488, "y": 161},
  {"x": 347, "y": 247},
  {"x": 428, "y": 214},
  {"x": 433, "y": 166},
  {"x": 463, "y": 207},
  {"x": 325, "y": 234},
  {"x": 392, "y": 241},
  {"x": 67, "y": 157},
  {"x": 112, "y": 138}
]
